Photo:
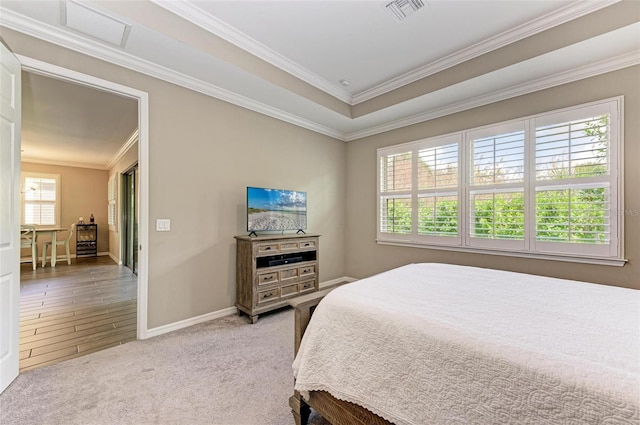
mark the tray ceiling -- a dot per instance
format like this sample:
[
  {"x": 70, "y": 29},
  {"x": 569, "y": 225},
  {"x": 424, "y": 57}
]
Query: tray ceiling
[{"x": 287, "y": 59}]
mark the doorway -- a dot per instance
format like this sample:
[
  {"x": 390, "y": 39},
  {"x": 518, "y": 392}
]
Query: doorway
[
  {"x": 37, "y": 66},
  {"x": 90, "y": 303},
  {"x": 9, "y": 328},
  {"x": 130, "y": 219},
  {"x": 141, "y": 175}
]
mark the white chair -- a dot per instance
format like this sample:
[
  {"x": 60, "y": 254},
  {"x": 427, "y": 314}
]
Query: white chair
[
  {"x": 65, "y": 242},
  {"x": 28, "y": 240}
]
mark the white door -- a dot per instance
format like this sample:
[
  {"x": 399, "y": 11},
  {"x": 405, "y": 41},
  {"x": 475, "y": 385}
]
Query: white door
[{"x": 10, "y": 108}]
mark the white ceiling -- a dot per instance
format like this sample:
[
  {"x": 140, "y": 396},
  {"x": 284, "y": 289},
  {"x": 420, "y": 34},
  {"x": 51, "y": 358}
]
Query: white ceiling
[
  {"x": 69, "y": 124},
  {"x": 286, "y": 58},
  {"x": 360, "y": 40}
]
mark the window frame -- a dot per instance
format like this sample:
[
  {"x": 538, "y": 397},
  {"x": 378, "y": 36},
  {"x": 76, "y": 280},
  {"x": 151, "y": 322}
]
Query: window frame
[
  {"x": 24, "y": 175},
  {"x": 611, "y": 253}
]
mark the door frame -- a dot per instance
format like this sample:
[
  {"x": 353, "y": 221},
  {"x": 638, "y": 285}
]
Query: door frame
[{"x": 46, "y": 69}]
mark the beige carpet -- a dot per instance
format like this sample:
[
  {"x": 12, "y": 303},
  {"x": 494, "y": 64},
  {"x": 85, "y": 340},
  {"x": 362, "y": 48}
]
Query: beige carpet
[{"x": 223, "y": 372}]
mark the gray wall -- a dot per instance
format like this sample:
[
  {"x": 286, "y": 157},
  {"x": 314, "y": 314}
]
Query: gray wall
[{"x": 365, "y": 257}]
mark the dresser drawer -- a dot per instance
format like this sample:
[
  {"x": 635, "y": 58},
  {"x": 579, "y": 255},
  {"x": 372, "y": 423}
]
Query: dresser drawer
[
  {"x": 265, "y": 278},
  {"x": 307, "y": 270},
  {"x": 307, "y": 244},
  {"x": 265, "y": 248},
  {"x": 288, "y": 290},
  {"x": 287, "y": 274},
  {"x": 307, "y": 285},
  {"x": 288, "y": 246},
  {"x": 268, "y": 296}
]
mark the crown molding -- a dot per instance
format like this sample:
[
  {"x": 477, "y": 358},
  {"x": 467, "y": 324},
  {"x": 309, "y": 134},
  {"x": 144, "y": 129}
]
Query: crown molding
[
  {"x": 123, "y": 149},
  {"x": 210, "y": 23},
  {"x": 115, "y": 56},
  {"x": 63, "y": 163},
  {"x": 68, "y": 40},
  {"x": 548, "y": 21},
  {"x": 587, "y": 71}
]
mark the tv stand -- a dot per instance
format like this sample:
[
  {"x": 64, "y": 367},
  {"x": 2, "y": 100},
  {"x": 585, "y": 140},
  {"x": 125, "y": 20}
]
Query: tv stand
[
  {"x": 271, "y": 270},
  {"x": 253, "y": 233},
  {"x": 301, "y": 231}
]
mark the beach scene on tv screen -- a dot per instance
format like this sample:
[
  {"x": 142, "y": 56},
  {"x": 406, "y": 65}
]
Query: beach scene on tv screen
[{"x": 271, "y": 209}]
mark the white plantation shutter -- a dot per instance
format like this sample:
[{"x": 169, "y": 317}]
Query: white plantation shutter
[
  {"x": 395, "y": 215},
  {"x": 438, "y": 189},
  {"x": 40, "y": 199},
  {"x": 395, "y": 210},
  {"x": 545, "y": 186},
  {"x": 438, "y": 215},
  {"x": 496, "y": 186},
  {"x": 573, "y": 214},
  {"x": 396, "y": 172},
  {"x": 419, "y": 191},
  {"x": 497, "y": 215},
  {"x": 575, "y": 181},
  {"x": 438, "y": 167},
  {"x": 573, "y": 149},
  {"x": 499, "y": 157}
]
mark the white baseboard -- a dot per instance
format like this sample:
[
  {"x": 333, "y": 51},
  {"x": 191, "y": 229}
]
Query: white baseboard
[
  {"x": 335, "y": 281},
  {"x": 115, "y": 259},
  {"x": 190, "y": 322},
  {"x": 221, "y": 313}
]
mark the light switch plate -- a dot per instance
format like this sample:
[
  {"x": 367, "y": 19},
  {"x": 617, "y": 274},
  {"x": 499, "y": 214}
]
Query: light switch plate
[{"x": 163, "y": 224}]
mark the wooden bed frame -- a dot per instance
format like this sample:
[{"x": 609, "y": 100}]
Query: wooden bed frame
[{"x": 337, "y": 412}]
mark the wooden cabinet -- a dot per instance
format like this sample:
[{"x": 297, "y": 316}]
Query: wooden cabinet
[
  {"x": 86, "y": 240},
  {"x": 270, "y": 270}
]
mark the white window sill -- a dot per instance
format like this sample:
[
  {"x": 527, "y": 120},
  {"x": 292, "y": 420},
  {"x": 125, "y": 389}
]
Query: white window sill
[{"x": 618, "y": 262}]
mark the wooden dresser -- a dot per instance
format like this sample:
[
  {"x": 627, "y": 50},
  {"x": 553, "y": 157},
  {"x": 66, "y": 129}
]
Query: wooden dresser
[{"x": 272, "y": 269}]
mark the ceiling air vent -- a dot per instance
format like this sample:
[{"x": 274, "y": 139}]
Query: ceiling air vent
[
  {"x": 85, "y": 20},
  {"x": 400, "y": 9}
]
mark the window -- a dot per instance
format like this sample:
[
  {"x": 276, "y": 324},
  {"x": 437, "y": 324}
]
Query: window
[
  {"x": 544, "y": 186},
  {"x": 395, "y": 190},
  {"x": 112, "y": 211},
  {"x": 575, "y": 179},
  {"x": 496, "y": 186},
  {"x": 438, "y": 176},
  {"x": 41, "y": 199}
]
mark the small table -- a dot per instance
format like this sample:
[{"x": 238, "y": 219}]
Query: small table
[{"x": 53, "y": 231}]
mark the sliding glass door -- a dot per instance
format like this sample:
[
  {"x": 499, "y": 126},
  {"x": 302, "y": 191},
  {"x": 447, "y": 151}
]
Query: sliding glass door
[{"x": 130, "y": 219}]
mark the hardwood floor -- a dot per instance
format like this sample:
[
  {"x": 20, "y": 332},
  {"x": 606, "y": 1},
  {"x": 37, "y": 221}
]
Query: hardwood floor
[{"x": 72, "y": 310}]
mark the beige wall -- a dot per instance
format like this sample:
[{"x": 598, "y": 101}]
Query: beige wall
[
  {"x": 82, "y": 191},
  {"x": 127, "y": 160},
  {"x": 202, "y": 159},
  {"x": 365, "y": 257},
  {"x": 203, "y": 153}
]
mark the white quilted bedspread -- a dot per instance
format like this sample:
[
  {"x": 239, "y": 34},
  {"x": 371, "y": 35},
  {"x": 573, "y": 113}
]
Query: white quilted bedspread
[{"x": 443, "y": 344}]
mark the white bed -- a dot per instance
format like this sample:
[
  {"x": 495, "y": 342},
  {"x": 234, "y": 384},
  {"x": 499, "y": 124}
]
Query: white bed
[{"x": 444, "y": 344}]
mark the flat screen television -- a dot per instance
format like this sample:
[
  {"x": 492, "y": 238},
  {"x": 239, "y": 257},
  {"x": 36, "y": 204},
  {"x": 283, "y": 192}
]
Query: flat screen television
[{"x": 276, "y": 209}]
